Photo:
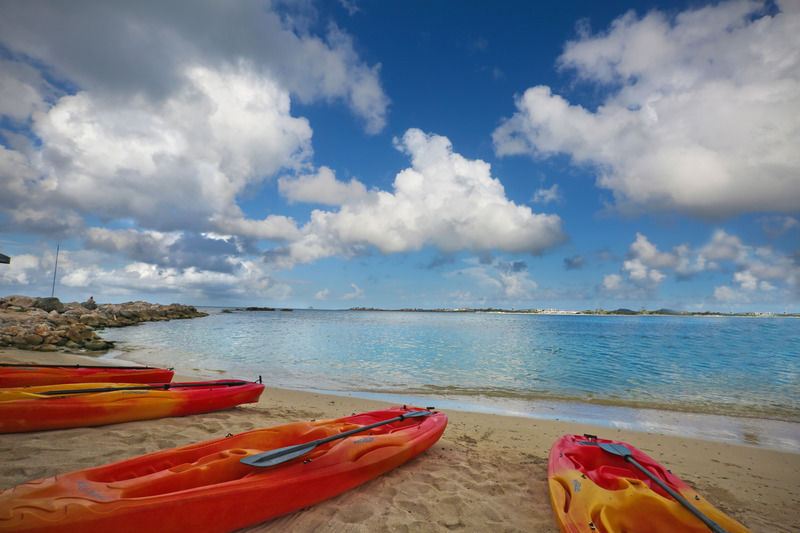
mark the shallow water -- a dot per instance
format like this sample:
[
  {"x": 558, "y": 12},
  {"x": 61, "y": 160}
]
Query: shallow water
[{"x": 515, "y": 363}]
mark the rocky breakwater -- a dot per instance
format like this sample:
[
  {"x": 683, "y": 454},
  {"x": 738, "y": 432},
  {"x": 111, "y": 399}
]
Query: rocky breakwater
[{"x": 47, "y": 324}]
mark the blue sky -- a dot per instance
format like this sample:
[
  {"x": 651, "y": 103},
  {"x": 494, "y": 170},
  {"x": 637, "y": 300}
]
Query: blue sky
[{"x": 571, "y": 155}]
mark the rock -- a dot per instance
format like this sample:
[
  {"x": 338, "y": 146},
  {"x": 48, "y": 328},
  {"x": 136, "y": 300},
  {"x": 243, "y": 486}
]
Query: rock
[
  {"x": 49, "y": 304},
  {"x": 46, "y": 348},
  {"x": 78, "y": 333},
  {"x": 46, "y": 323},
  {"x": 97, "y": 344},
  {"x": 17, "y": 300},
  {"x": 19, "y": 340},
  {"x": 42, "y": 329},
  {"x": 91, "y": 319},
  {"x": 33, "y": 339},
  {"x": 55, "y": 339}
]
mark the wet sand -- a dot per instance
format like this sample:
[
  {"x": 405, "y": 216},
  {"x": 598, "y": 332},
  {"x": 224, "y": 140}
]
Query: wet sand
[{"x": 487, "y": 473}]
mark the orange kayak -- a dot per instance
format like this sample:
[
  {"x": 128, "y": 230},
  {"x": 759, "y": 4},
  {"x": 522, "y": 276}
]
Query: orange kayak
[
  {"x": 595, "y": 486},
  {"x": 206, "y": 487},
  {"x": 23, "y": 375},
  {"x": 94, "y": 404}
]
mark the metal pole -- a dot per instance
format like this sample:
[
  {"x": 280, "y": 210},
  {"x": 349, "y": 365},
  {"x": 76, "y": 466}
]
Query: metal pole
[{"x": 53, "y": 293}]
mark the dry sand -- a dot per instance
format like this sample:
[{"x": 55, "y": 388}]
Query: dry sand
[{"x": 487, "y": 473}]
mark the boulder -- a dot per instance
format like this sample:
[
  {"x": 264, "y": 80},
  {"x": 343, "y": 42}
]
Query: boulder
[
  {"x": 32, "y": 339},
  {"x": 45, "y": 348},
  {"x": 96, "y": 344},
  {"x": 47, "y": 323},
  {"x": 49, "y": 304},
  {"x": 23, "y": 302}
]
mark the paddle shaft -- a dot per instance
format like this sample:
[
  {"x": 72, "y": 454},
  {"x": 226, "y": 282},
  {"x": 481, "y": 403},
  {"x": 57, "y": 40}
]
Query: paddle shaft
[
  {"x": 713, "y": 526},
  {"x": 165, "y": 386},
  {"x": 271, "y": 458},
  {"x": 368, "y": 427}
]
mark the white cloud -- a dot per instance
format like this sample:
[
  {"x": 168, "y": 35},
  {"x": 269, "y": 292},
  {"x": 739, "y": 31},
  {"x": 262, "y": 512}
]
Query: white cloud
[
  {"x": 273, "y": 227},
  {"x": 170, "y": 144},
  {"x": 612, "y": 282},
  {"x": 274, "y": 37},
  {"x": 356, "y": 294},
  {"x": 249, "y": 280},
  {"x": 703, "y": 118},
  {"x": 21, "y": 271},
  {"x": 649, "y": 255},
  {"x": 758, "y": 273},
  {"x": 322, "y": 188},
  {"x": 444, "y": 200},
  {"x": 544, "y": 196},
  {"x": 722, "y": 247},
  {"x": 174, "y": 165},
  {"x": 323, "y": 294},
  {"x": 506, "y": 282},
  {"x": 517, "y": 285},
  {"x": 725, "y": 294}
]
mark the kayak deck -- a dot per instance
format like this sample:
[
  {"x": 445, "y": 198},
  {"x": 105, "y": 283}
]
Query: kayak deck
[
  {"x": 64, "y": 405},
  {"x": 592, "y": 490},
  {"x": 205, "y": 487},
  {"x": 23, "y": 375}
]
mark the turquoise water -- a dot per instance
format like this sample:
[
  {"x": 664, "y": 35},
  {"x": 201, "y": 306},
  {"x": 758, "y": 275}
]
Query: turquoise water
[{"x": 745, "y": 367}]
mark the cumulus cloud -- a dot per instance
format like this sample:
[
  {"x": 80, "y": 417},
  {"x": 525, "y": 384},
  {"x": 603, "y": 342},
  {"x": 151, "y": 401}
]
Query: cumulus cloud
[
  {"x": 110, "y": 48},
  {"x": 323, "y": 294},
  {"x": 612, "y": 282},
  {"x": 322, "y": 188},
  {"x": 505, "y": 281},
  {"x": 171, "y": 144},
  {"x": 21, "y": 271},
  {"x": 701, "y": 115},
  {"x": 756, "y": 273},
  {"x": 81, "y": 273},
  {"x": 175, "y": 165},
  {"x": 443, "y": 200},
  {"x": 356, "y": 294},
  {"x": 544, "y": 196},
  {"x": 95, "y": 133}
]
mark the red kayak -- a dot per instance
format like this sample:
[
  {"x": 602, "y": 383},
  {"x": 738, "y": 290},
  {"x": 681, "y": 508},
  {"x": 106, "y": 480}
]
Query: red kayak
[
  {"x": 607, "y": 486},
  {"x": 23, "y": 375},
  {"x": 227, "y": 483},
  {"x": 94, "y": 404}
]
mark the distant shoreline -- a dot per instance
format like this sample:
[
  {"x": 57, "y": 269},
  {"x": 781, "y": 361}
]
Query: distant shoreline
[{"x": 597, "y": 312}]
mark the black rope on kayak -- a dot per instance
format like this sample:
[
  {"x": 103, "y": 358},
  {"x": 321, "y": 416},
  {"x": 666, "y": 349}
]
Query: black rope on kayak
[
  {"x": 78, "y": 366},
  {"x": 165, "y": 386}
]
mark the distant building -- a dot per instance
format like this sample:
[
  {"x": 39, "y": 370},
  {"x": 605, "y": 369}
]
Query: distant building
[{"x": 5, "y": 259}]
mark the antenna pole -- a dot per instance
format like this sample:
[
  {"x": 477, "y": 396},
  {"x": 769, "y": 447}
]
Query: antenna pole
[{"x": 53, "y": 293}]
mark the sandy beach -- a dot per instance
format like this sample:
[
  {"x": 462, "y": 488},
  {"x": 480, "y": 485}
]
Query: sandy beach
[{"x": 487, "y": 473}]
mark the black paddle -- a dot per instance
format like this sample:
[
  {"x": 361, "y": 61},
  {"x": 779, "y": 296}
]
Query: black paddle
[
  {"x": 165, "y": 386},
  {"x": 623, "y": 451},
  {"x": 282, "y": 455}
]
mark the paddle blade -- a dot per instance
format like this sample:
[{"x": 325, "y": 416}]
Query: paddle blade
[
  {"x": 616, "y": 449},
  {"x": 281, "y": 455}
]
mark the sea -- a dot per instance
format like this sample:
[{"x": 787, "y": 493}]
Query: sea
[{"x": 731, "y": 379}]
